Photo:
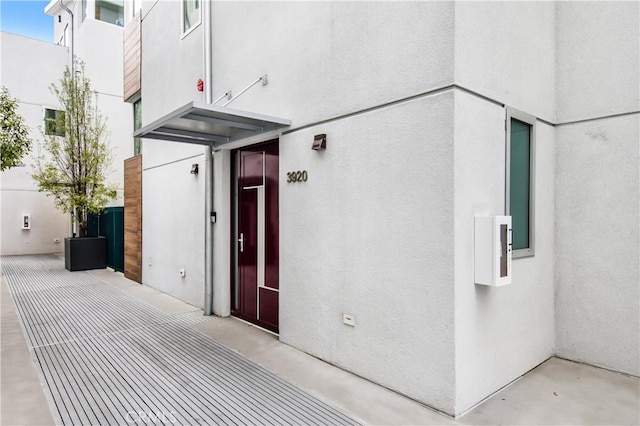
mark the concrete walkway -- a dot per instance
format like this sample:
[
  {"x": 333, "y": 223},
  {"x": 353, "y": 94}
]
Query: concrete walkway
[{"x": 110, "y": 351}]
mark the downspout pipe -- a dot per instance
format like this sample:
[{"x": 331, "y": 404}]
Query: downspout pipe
[
  {"x": 208, "y": 163},
  {"x": 71, "y": 64}
]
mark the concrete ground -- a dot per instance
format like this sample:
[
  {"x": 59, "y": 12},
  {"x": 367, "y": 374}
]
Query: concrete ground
[
  {"x": 556, "y": 392},
  {"x": 22, "y": 400}
]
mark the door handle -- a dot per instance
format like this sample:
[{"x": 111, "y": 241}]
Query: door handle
[{"x": 241, "y": 241}]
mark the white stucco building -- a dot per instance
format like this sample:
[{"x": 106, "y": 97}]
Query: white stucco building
[
  {"x": 421, "y": 104},
  {"x": 18, "y": 192},
  {"x": 29, "y": 67},
  {"x": 434, "y": 113}
]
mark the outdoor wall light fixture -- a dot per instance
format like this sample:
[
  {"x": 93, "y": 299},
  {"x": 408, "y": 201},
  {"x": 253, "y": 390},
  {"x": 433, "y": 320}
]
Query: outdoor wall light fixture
[
  {"x": 194, "y": 169},
  {"x": 319, "y": 142}
]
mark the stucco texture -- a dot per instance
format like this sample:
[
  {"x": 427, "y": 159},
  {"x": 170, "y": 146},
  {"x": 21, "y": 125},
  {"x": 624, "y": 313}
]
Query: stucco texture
[
  {"x": 171, "y": 64},
  {"x": 370, "y": 234},
  {"x": 598, "y": 51},
  {"x": 173, "y": 199},
  {"x": 597, "y": 243},
  {"x": 383, "y": 228},
  {"x": 597, "y": 189},
  {"x": 325, "y": 59},
  {"x": 172, "y": 230},
  {"x": 21, "y": 73},
  {"x": 506, "y": 51},
  {"x": 28, "y": 68},
  {"x": 501, "y": 332}
]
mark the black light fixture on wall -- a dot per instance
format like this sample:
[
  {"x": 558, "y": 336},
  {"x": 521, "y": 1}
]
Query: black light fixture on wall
[
  {"x": 194, "y": 169},
  {"x": 319, "y": 142}
]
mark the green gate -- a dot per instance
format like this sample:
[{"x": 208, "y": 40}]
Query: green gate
[{"x": 110, "y": 224}]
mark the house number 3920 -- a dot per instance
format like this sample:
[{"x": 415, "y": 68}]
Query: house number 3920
[{"x": 298, "y": 176}]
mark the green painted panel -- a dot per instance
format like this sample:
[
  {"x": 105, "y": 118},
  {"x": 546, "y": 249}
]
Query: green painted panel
[
  {"x": 520, "y": 183},
  {"x": 110, "y": 224},
  {"x": 112, "y": 227}
]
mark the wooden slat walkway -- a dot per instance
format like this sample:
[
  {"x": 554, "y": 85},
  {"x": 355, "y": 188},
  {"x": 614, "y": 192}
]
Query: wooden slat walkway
[{"x": 107, "y": 358}]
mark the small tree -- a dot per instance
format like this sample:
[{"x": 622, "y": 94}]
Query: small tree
[
  {"x": 14, "y": 139},
  {"x": 77, "y": 156}
]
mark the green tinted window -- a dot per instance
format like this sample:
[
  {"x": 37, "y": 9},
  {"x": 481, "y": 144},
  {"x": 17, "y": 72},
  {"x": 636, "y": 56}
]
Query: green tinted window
[
  {"x": 520, "y": 183},
  {"x": 137, "y": 123},
  {"x": 111, "y": 11},
  {"x": 53, "y": 122},
  {"x": 190, "y": 14}
]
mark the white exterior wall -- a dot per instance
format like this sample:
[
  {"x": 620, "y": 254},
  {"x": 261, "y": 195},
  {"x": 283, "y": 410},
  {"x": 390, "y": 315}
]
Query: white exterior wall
[
  {"x": 118, "y": 117},
  {"x": 327, "y": 59},
  {"x": 320, "y": 66},
  {"x": 383, "y": 229},
  {"x": 370, "y": 235},
  {"x": 506, "y": 52},
  {"x": 28, "y": 67},
  {"x": 173, "y": 226},
  {"x": 597, "y": 235},
  {"x": 100, "y": 44},
  {"x": 598, "y": 59},
  {"x": 173, "y": 199},
  {"x": 597, "y": 185},
  {"x": 167, "y": 57},
  {"x": 502, "y": 332}
]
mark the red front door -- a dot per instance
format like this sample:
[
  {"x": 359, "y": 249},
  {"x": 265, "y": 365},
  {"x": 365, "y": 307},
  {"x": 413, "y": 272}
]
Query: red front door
[{"x": 257, "y": 253}]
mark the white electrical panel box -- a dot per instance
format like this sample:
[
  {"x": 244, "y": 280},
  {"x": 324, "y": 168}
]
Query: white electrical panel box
[
  {"x": 493, "y": 249},
  {"x": 26, "y": 221}
]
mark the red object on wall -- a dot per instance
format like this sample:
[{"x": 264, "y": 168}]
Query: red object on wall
[{"x": 200, "y": 85}]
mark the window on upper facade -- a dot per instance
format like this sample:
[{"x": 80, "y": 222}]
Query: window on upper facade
[
  {"x": 53, "y": 122},
  {"x": 83, "y": 6},
  {"x": 111, "y": 11},
  {"x": 137, "y": 124},
  {"x": 521, "y": 131},
  {"x": 190, "y": 15}
]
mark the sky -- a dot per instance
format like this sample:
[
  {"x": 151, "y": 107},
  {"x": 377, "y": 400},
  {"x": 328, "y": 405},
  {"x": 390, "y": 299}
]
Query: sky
[{"x": 27, "y": 18}]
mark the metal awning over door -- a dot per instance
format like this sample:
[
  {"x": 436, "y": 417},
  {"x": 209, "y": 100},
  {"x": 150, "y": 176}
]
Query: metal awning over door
[{"x": 205, "y": 124}]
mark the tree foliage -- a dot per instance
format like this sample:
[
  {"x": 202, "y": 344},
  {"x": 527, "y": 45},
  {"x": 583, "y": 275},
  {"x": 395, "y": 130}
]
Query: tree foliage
[
  {"x": 77, "y": 157},
  {"x": 14, "y": 139}
]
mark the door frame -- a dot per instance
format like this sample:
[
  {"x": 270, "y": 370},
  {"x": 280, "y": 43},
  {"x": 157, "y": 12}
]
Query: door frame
[{"x": 233, "y": 240}]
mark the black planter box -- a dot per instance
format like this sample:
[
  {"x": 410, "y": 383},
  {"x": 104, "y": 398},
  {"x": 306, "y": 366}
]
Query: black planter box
[{"x": 85, "y": 253}]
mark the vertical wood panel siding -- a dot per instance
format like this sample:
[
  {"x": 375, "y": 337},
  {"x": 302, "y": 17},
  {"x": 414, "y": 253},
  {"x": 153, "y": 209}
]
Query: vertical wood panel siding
[
  {"x": 133, "y": 218},
  {"x": 132, "y": 63}
]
